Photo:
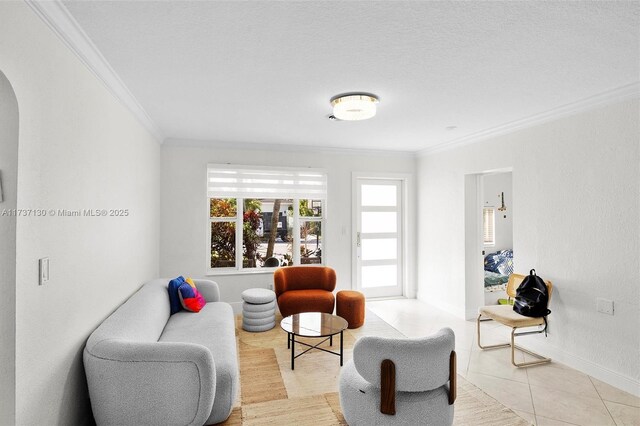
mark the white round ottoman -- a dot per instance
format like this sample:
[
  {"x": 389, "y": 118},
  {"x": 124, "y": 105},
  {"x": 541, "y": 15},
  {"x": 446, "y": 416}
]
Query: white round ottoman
[{"x": 258, "y": 309}]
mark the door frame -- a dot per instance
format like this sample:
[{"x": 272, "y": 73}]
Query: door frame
[
  {"x": 408, "y": 223},
  {"x": 474, "y": 275}
]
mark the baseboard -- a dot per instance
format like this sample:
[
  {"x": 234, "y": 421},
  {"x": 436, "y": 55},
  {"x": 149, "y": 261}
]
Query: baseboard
[
  {"x": 620, "y": 381},
  {"x": 378, "y": 299}
]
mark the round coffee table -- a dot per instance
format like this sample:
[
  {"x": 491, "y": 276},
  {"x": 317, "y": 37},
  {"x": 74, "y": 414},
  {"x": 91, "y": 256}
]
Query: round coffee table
[{"x": 313, "y": 324}]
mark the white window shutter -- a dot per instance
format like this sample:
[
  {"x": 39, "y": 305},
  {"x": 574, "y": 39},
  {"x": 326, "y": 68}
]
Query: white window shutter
[
  {"x": 231, "y": 181},
  {"x": 488, "y": 225}
]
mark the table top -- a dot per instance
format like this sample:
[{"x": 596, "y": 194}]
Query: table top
[{"x": 313, "y": 324}]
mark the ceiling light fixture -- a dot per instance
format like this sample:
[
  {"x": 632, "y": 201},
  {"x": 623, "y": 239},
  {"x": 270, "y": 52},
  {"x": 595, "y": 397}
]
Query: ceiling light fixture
[{"x": 354, "y": 106}]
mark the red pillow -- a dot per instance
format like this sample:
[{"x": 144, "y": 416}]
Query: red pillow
[{"x": 190, "y": 298}]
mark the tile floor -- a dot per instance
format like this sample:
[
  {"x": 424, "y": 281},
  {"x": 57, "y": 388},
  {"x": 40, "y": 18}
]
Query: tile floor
[{"x": 546, "y": 395}]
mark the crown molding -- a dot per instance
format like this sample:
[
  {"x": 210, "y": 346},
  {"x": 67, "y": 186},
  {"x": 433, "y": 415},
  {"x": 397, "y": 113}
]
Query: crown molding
[
  {"x": 618, "y": 94},
  {"x": 58, "y": 18},
  {"x": 195, "y": 143}
]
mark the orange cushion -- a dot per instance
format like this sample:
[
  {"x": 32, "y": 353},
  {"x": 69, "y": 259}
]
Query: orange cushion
[{"x": 297, "y": 301}]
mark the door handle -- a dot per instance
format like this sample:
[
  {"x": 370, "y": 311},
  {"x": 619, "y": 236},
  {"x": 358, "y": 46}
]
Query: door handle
[{"x": 358, "y": 239}]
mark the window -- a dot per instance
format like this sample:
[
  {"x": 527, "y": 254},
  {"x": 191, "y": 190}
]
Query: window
[
  {"x": 253, "y": 214},
  {"x": 310, "y": 212},
  {"x": 488, "y": 225}
]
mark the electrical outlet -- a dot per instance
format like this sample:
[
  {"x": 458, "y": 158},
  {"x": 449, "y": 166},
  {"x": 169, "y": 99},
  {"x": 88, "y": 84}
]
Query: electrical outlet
[
  {"x": 605, "y": 306},
  {"x": 43, "y": 270}
]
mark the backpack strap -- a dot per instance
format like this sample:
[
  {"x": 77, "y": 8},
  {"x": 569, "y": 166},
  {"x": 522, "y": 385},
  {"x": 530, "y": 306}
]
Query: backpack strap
[{"x": 545, "y": 322}]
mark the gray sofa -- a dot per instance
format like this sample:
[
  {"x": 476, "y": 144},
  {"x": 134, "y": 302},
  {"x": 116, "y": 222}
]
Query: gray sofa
[{"x": 146, "y": 367}]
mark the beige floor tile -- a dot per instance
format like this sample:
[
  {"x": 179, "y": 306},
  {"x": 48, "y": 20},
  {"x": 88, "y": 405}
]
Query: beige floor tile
[
  {"x": 464, "y": 342},
  {"x": 624, "y": 414},
  {"x": 462, "y": 357},
  {"x": 561, "y": 395},
  {"x": 553, "y": 363},
  {"x": 571, "y": 381},
  {"x": 544, "y": 421},
  {"x": 375, "y": 326},
  {"x": 497, "y": 363},
  {"x": 530, "y": 417},
  {"x": 491, "y": 335},
  {"x": 567, "y": 407},
  {"x": 514, "y": 395},
  {"x": 613, "y": 394},
  {"x": 416, "y": 331},
  {"x": 465, "y": 334}
]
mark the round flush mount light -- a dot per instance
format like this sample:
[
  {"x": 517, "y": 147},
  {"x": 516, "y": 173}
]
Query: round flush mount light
[{"x": 354, "y": 106}]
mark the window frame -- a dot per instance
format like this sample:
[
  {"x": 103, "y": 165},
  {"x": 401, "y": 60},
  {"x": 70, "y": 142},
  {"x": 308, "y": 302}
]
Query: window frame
[
  {"x": 239, "y": 268},
  {"x": 305, "y": 219}
]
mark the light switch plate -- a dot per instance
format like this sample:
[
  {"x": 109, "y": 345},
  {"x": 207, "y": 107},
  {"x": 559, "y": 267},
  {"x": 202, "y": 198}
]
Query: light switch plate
[
  {"x": 44, "y": 270},
  {"x": 605, "y": 306}
]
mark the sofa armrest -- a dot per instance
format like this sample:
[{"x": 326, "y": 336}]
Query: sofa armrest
[
  {"x": 209, "y": 290},
  {"x": 279, "y": 281},
  {"x": 150, "y": 382}
]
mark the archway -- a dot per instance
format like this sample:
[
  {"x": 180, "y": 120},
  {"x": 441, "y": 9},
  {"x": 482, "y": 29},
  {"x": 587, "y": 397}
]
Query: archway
[{"x": 8, "y": 222}]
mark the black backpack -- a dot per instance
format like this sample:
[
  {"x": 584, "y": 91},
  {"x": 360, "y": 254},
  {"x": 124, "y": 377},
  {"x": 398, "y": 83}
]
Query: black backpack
[{"x": 532, "y": 297}]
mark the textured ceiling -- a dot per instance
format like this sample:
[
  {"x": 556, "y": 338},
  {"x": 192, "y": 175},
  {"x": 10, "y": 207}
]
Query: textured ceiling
[{"x": 263, "y": 72}]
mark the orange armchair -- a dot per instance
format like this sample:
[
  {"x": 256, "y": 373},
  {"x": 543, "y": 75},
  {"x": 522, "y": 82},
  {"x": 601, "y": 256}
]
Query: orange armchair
[{"x": 304, "y": 289}]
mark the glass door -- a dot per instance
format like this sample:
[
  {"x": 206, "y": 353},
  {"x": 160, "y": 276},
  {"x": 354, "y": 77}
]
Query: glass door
[{"x": 378, "y": 225}]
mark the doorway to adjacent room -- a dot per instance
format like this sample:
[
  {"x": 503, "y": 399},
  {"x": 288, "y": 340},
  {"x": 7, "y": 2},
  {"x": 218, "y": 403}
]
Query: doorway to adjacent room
[{"x": 488, "y": 238}]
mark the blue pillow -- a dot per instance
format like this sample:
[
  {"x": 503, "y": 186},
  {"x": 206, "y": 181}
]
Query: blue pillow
[{"x": 174, "y": 299}]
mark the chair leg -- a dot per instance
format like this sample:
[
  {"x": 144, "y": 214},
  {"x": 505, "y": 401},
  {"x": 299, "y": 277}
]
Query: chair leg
[
  {"x": 512, "y": 344},
  {"x": 499, "y": 345},
  {"x": 540, "y": 360}
]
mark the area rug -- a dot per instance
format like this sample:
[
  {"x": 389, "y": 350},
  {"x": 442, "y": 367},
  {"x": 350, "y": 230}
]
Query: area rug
[{"x": 272, "y": 394}]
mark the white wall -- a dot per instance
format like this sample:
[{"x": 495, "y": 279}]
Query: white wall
[
  {"x": 184, "y": 223},
  {"x": 493, "y": 186},
  {"x": 9, "y": 186},
  {"x": 576, "y": 187},
  {"x": 79, "y": 149}
]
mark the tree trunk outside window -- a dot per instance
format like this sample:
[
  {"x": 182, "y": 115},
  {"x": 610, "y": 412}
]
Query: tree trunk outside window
[{"x": 274, "y": 228}]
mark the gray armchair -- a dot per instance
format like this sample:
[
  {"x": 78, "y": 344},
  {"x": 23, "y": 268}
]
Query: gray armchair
[{"x": 400, "y": 381}]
